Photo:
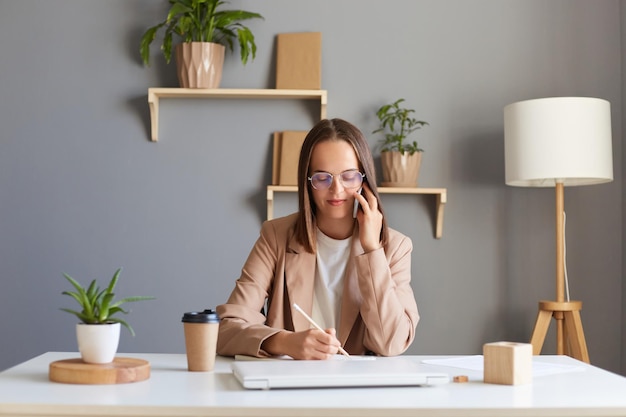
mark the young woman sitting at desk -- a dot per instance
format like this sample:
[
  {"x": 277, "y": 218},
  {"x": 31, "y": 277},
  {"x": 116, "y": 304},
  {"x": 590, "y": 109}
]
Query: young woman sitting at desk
[{"x": 352, "y": 275}]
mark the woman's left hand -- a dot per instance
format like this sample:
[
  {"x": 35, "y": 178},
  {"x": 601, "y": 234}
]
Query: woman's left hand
[{"x": 370, "y": 219}]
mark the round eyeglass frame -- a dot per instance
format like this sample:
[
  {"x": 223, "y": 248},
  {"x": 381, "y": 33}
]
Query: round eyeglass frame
[{"x": 340, "y": 175}]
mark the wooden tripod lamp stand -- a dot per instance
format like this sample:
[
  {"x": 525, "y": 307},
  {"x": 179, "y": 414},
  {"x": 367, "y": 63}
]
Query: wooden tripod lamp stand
[{"x": 558, "y": 142}]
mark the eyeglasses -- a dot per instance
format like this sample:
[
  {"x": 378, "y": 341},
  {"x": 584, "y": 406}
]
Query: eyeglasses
[{"x": 350, "y": 179}]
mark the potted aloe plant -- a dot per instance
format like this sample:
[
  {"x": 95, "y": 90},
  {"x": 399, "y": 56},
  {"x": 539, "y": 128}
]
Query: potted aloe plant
[
  {"x": 205, "y": 30},
  {"x": 98, "y": 333},
  {"x": 400, "y": 158}
]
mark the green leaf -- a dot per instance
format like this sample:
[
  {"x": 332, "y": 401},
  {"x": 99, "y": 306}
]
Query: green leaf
[
  {"x": 93, "y": 289},
  {"x": 146, "y": 40},
  {"x": 103, "y": 313},
  {"x": 81, "y": 316},
  {"x": 74, "y": 283},
  {"x": 246, "y": 44},
  {"x": 113, "y": 282},
  {"x": 123, "y": 323},
  {"x": 81, "y": 294},
  {"x": 116, "y": 309},
  {"x": 178, "y": 9},
  {"x": 133, "y": 299},
  {"x": 74, "y": 295},
  {"x": 167, "y": 47}
]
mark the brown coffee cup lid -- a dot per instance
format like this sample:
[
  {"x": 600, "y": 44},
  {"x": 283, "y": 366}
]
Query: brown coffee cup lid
[{"x": 206, "y": 316}]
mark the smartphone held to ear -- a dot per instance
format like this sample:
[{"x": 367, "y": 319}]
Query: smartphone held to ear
[{"x": 356, "y": 204}]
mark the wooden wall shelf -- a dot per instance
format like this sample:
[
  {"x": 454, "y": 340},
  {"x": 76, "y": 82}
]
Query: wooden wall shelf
[
  {"x": 154, "y": 94},
  {"x": 440, "y": 193}
]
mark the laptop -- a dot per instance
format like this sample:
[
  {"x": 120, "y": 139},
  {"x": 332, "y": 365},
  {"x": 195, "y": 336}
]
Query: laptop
[{"x": 356, "y": 371}]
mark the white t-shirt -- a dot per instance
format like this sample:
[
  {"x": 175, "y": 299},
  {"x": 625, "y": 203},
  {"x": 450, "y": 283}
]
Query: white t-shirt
[{"x": 330, "y": 269}]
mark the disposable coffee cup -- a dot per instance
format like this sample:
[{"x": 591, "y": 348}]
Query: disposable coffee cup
[{"x": 201, "y": 339}]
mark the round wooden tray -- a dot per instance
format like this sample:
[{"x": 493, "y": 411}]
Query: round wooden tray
[{"x": 120, "y": 371}]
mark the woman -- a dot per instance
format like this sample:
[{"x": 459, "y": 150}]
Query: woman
[{"x": 351, "y": 275}]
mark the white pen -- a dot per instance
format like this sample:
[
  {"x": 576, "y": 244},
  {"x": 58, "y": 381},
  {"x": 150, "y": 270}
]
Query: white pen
[{"x": 314, "y": 324}]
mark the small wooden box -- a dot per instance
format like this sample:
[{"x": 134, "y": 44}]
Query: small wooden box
[{"x": 508, "y": 363}]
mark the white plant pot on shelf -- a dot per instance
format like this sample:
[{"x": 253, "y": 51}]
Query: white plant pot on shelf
[{"x": 97, "y": 343}]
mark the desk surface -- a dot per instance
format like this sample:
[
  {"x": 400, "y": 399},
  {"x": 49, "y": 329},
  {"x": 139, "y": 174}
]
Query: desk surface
[{"x": 26, "y": 391}]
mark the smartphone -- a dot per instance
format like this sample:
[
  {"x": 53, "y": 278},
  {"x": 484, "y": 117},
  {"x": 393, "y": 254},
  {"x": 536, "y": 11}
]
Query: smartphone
[{"x": 356, "y": 204}]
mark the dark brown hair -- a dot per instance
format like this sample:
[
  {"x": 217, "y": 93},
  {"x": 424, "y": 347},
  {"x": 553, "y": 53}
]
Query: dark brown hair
[{"x": 325, "y": 130}]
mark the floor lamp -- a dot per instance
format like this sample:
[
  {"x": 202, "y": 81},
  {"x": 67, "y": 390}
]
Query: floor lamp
[{"x": 558, "y": 142}]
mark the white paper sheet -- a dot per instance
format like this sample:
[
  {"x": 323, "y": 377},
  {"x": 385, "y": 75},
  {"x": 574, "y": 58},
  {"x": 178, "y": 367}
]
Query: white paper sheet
[{"x": 475, "y": 363}]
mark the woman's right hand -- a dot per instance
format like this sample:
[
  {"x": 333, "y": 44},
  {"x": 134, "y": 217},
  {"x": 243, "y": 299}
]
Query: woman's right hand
[{"x": 310, "y": 344}]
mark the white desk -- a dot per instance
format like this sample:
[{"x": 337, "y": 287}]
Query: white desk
[{"x": 172, "y": 391}]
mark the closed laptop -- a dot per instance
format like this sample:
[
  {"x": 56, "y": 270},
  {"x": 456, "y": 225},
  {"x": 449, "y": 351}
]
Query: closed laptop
[{"x": 356, "y": 371}]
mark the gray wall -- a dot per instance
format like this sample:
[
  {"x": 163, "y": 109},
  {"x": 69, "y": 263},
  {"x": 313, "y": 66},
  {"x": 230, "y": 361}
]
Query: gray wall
[
  {"x": 84, "y": 191},
  {"x": 623, "y": 157}
]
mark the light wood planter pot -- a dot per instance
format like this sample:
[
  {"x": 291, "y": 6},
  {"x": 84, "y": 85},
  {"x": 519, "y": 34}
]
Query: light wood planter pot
[
  {"x": 400, "y": 169},
  {"x": 199, "y": 64}
]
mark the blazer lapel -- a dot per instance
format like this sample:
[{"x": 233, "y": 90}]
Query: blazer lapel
[{"x": 299, "y": 281}]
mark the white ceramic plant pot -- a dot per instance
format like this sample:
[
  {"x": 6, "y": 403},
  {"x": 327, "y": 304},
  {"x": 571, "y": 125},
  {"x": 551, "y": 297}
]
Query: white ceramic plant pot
[{"x": 97, "y": 343}]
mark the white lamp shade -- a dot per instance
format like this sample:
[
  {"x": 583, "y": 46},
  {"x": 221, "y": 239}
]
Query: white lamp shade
[{"x": 558, "y": 139}]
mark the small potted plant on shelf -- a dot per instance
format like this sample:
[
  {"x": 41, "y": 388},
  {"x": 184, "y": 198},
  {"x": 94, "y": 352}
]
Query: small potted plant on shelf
[
  {"x": 400, "y": 158},
  {"x": 98, "y": 333},
  {"x": 205, "y": 31}
]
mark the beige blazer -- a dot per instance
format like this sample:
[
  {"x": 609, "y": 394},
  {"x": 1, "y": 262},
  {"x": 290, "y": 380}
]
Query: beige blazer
[{"x": 378, "y": 310}]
